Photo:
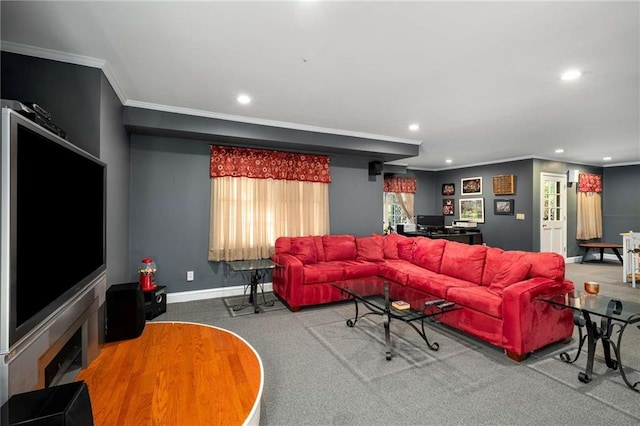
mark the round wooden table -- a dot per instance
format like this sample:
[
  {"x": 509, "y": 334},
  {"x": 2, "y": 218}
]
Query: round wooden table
[{"x": 176, "y": 373}]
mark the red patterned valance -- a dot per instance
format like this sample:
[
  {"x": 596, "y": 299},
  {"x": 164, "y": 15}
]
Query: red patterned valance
[
  {"x": 265, "y": 164},
  {"x": 400, "y": 184},
  {"x": 589, "y": 183}
]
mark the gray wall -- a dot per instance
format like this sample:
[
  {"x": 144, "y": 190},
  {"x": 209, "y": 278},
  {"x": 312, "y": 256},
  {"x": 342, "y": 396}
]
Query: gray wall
[
  {"x": 115, "y": 152},
  {"x": 620, "y": 201},
  {"x": 71, "y": 93},
  {"x": 497, "y": 230}
]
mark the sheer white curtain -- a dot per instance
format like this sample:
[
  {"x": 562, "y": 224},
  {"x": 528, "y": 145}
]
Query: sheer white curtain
[{"x": 589, "y": 224}]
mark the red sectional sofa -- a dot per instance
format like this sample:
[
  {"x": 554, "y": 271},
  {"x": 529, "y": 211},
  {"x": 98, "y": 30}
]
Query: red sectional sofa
[{"x": 496, "y": 289}]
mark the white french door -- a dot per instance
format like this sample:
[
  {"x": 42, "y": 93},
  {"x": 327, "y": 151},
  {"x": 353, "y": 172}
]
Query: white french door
[{"x": 553, "y": 217}]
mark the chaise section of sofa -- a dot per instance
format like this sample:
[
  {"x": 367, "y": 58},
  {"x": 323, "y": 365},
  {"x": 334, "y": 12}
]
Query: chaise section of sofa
[{"x": 497, "y": 290}]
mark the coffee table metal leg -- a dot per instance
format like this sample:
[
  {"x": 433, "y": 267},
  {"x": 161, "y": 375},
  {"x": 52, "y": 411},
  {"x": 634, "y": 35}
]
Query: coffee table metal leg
[
  {"x": 616, "y": 349},
  {"x": 592, "y": 339},
  {"x": 387, "y": 334}
]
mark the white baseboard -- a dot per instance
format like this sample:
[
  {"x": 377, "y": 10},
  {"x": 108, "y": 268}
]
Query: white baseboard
[
  {"x": 592, "y": 256},
  {"x": 210, "y": 293}
]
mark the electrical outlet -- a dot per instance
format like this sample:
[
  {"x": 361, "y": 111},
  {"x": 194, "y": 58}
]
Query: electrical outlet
[
  {"x": 520, "y": 216},
  {"x": 189, "y": 275}
]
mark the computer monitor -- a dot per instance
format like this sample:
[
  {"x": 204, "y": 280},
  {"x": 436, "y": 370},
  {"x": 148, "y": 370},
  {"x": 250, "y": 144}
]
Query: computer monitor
[{"x": 428, "y": 221}]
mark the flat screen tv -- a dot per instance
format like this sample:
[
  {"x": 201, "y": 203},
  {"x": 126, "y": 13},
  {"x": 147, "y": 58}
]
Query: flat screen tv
[{"x": 52, "y": 225}]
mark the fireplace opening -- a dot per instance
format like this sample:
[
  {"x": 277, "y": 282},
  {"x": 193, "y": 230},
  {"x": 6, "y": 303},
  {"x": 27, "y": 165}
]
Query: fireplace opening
[{"x": 65, "y": 366}]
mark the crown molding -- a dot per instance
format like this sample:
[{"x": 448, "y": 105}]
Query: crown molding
[{"x": 265, "y": 122}]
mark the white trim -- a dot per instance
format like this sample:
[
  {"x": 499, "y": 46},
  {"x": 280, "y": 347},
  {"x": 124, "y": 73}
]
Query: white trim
[
  {"x": 210, "y": 293},
  {"x": 265, "y": 122},
  {"x": 111, "y": 78},
  {"x": 55, "y": 55}
]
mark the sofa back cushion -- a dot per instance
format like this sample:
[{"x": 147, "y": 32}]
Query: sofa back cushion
[
  {"x": 370, "y": 248},
  {"x": 463, "y": 261},
  {"x": 546, "y": 265},
  {"x": 339, "y": 247},
  {"x": 428, "y": 253},
  {"x": 405, "y": 249},
  {"x": 283, "y": 245},
  {"x": 508, "y": 274},
  {"x": 492, "y": 263},
  {"x": 390, "y": 246},
  {"x": 304, "y": 248}
]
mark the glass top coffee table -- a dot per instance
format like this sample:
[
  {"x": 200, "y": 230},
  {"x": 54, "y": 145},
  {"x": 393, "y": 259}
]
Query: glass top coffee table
[
  {"x": 614, "y": 315},
  {"x": 378, "y": 298}
]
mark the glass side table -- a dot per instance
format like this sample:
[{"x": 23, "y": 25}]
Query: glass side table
[{"x": 258, "y": 268}]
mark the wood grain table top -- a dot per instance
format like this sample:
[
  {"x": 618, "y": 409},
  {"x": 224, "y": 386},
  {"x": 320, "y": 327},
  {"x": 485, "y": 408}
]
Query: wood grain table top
[{"x": 176, "y": 373}]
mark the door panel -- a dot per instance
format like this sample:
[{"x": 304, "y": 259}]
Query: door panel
[{"x": 553, "y": 217}]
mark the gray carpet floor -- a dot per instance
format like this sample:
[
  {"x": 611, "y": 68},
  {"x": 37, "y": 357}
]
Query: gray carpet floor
[{"x": 318, "y": 371}]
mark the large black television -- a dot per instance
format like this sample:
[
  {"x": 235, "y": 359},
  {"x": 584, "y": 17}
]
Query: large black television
[{"x": 52, "y": 225}]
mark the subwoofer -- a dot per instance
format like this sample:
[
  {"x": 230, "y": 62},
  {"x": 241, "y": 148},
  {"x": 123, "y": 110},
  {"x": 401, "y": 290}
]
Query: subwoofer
[
  {"x": 64, "y": 405},
  {"x": 125, "y": 317}
]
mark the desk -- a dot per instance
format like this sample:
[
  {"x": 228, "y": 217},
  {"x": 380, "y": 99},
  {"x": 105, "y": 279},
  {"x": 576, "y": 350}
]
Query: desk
[
  {"x": 466, "y": 238},
  {"x": 613, "y": 314},
  {"x": 258, "y": 269}
]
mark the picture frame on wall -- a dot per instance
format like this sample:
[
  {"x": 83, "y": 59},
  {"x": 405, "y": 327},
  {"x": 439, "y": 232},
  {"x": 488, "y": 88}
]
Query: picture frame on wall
[
  {"x": 503, "y": 207},
  {"x": 471, "y": 186},
  {"x": 471, "y": 209},
  {"x": 448, "y": 207},
  {"x": 448, "y": 189}
]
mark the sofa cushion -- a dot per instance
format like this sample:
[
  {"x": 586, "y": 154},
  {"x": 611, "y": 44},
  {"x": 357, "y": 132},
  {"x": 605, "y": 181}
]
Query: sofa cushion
[
  {"x": 339, "y": 247},
  {"x": 405, "y": 249},
  {"x": 398, "y": 270},
  {"x": 317, "y": 239},
  {"x": 508, "y": 274},
  {"x": 360, "y": 269},
  {"x": 477, "y": 298},
  {"x": 435, "y": 284},
  {"x": 463, "y": 261},
  {"x": 428, "y": 253},
  {"x": 304, "y": 248},
  {"x": 546, "y": 265},
  {"x": 390, "y": 247},
  {"x": 370, "y": 248},
  {"x": 323, "y": 272},
  {"x": 492, "y": 263},
  {"x": 283, "y": 245}
]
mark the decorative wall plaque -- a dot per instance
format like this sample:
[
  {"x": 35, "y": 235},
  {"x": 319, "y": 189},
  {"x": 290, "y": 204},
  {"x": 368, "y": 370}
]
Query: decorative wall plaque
[{"x": 503, "y": 185}]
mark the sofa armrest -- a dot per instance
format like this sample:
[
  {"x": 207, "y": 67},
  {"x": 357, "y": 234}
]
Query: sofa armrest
[
  {"x": 288, "y": 278},
  {"x": 529, "y": 323}
]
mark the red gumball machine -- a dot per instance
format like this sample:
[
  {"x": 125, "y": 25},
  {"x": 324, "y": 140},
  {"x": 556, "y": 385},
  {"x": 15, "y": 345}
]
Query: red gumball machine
[{"x": 147, "y": 272}]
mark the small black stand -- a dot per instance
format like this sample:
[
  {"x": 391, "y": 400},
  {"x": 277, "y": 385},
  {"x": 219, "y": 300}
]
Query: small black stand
[{"x": 155, "y": 302}]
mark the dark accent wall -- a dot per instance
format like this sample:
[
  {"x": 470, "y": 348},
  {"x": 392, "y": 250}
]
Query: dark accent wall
[
  {"x": 620, "y": 201},
  {"x": 501, "y": 231},
  {"x": 71, "y": 93},
  {"x": 115, "y": 152}
]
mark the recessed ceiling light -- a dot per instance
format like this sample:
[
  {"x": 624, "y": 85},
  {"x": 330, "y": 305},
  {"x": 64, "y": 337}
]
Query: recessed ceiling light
[
  {"x": 571, "y": 75},
  {"x": 414, "y": 127},
  {"x": 448, "y": 161},
  {"x": 244, "y": 99},
  {"x": 606, "y": 158},
  {"x": 559, "y": 151}
]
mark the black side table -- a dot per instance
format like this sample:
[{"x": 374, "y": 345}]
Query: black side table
[{"x": 155, "y": 302}]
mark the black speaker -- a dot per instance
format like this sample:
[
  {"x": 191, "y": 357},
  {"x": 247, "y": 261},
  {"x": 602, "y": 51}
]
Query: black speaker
[
  {"x": 125, "y": 317},
  {"x": 64, "y": 405},
  {"x": 375, "y": 168}
]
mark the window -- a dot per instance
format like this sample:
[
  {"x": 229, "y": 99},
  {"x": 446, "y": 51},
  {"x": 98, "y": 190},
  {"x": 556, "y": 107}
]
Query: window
[
  {"x": 393, "y": 213},
  {"x": 260, "y": 195},
  {"x": 398, "y": 201}
]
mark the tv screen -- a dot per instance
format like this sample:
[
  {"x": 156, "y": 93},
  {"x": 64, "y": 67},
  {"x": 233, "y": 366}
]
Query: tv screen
[{"x": 56, "y": 229}]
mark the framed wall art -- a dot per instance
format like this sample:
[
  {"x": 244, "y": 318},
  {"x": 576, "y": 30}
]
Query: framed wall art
[
  {"x": 471, "y": 209},
  {"x": 448, "y": 189},
  {"x": 503, "y": 185},
  {"x": 503, "y": 207},
  {"x": 448, "y": 207},
  {"x": 471, "y": 186}
]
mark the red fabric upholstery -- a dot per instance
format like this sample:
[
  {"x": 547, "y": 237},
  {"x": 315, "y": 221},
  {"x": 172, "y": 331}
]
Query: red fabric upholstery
[
  {"x": 508, "y": 274},
  {"x": 498, "y": 303},
  {"x": 370, "y": 248},
  {"x": 304, "y": 249},
  {"x": 428, "y": 253},
  {"x": 339, "y": 247},
  {"x": 463, "y": 261}
]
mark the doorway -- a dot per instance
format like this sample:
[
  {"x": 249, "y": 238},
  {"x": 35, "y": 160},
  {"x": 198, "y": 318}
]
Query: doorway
[{"x": 553, "y": 217}]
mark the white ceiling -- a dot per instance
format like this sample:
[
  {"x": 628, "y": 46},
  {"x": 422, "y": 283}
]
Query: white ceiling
[{"x": 481, "y": 78}]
